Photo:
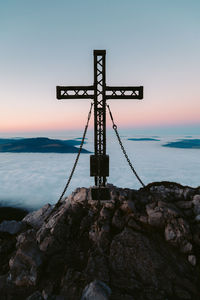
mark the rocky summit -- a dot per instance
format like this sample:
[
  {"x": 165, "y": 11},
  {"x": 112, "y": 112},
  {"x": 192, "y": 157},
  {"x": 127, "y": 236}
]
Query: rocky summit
[{"x": 140, "y": 245}]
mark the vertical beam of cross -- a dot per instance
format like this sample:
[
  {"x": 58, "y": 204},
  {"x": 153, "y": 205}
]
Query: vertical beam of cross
[
  {"x": 99, "y": 92},
  {"x": 99, "y": 110}
]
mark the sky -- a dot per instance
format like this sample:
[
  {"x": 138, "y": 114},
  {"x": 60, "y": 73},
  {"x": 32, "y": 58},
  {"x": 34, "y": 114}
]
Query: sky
[{"x": 154, "y": 43}]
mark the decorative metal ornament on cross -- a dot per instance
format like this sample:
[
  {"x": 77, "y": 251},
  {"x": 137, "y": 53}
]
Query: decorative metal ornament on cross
[{"x": 99, "y": 92}]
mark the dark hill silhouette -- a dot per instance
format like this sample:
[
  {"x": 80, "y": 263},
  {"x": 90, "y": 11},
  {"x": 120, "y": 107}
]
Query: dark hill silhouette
[
  {"x": 39, "y": 145},
  {"x": 185, "y": 143},
  {"x": 143, "y": 139},
  {"x": 5, "y": 141}
]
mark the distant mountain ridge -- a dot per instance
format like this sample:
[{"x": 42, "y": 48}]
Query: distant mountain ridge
[
  {"x": 184, "y": 144},
  {"x": 143, "y": 139},
  {"x": 40, "y": 145}
]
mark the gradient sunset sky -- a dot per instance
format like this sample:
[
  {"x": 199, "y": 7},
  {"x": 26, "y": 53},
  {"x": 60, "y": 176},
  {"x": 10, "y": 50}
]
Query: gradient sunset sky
[{"x": 44, "y": 43}]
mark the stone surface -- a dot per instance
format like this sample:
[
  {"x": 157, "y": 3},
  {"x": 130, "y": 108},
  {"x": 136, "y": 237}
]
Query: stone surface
[
  {"x": 97, "y": 290},
  {"x": 36, "y": 218},
  {"x": 24, "y": 265},
  {"x": 156, "y": 219},
  {"x": 139, "y": 245},
  {"x": 192, "y": 259},
  {"x": 177, "y": 232},
  {"x": 196, "y": 203},
  {"x": 197, "y": 218},
  {"x": 182, "y": 294},
  {"x": 35, "y": 296},
  {"x": 184, "y": 204}
]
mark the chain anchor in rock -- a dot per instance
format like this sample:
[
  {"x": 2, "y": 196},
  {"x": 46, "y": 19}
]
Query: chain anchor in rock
[{"x": 122, "y": 147}]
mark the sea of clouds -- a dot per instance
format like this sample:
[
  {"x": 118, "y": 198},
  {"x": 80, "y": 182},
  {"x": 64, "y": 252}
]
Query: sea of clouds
[{"x": 30, "y": 180}]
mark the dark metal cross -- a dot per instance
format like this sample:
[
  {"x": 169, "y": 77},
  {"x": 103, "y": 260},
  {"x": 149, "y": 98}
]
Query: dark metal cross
[{"x": 99, "y": 92}]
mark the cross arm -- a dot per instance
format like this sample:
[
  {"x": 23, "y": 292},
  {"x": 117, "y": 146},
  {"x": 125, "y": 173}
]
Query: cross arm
[
  {"x": 75, "y": 92},
  {"x": 120, "y": 92}
]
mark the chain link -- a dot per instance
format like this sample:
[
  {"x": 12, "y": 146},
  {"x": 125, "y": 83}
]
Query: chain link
[
  {"x": 81, "y": 146},
  {"x": 122, "y": 147},
  {"x": 77, "y": 157}
]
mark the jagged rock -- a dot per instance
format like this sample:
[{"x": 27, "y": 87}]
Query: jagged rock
[
  {"x": 169, "y": 210},
  {"x": 36, "y": 218},
  {"x": 192, "y": 259},
  {"x": 160, "y": 212},
  {"x": 143, "y": 219},
  {"x": 197, "y": 218},
  {"x": 196, "y": 199},
  {"x": 182, "y": 294},
  {"x": 186, "y": 247},
  {"x": 187, "y": 193},
  {"x": 196, "y": 209},
  {"x": 55, "y": 226},
  {"x": 156, "y": 219},
  {"x": 177, "y": 232},
  {"x": 132, "y": 265},
  {"x": 133, "y": 224},
  {"x": 105, "y": 213},
  {"x": 117, "y": 220},
  {"x": 97, "y": 267},
  {"x": 196, "y": 202},
  {"x": 3, "y": 281},
  {"x": 80, "y": 196},
  {"x": 71, "y": 287},
  {"x": 128, "y": 207},
  {"x": 143, "y": 244},
  {"x": 24, "y": 266},
  {"x": 196, "y": 234},
  {"x": 151, "y": 208},
  {"x": 97, "y": 290},
  {"x": 184, "y": 204},
  {"x": 35, "y": 296},
  {"x": 12, "y": 227}
]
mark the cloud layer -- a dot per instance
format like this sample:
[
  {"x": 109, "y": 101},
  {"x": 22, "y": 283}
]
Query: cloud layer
[{"x": 31, "y": 180}]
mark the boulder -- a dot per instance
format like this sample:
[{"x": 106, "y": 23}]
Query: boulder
[
  {"x": 35, "y": 296},
  {"x": 156, "y": 219},
  {"x": 184, "y": 204},
  {"x": 97, "y": 290},
  {"x": 36, "y": 218},
  {"x": 25, "y": 264},
  {"x": 197, "y": 218},
  {"x": 196, "y": 203},
  {"x": 177, "y": 232},
  {"x": 192, "y": 259},
  {"x": 133, "y": 262}
]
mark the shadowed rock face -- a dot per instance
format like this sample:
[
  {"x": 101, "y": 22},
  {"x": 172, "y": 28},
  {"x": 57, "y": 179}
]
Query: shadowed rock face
[{"x": 139, "y": 245}]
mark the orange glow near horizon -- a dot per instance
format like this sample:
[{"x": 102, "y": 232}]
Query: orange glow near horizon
[
  {"x": 160, "y": 119},
  {"x": 53, "y": 115}
]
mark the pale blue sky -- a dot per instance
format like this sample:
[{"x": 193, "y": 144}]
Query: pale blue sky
[{"x": 149, "y": 42}]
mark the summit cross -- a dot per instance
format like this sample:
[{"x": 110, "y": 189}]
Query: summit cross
[{"x": 99, "y": 92}]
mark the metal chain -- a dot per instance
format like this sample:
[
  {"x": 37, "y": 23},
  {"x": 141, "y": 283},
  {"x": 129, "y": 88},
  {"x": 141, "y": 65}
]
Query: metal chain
[
  {"x": 122, "y": 147},
  {"x": 77, "y": 157}
]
